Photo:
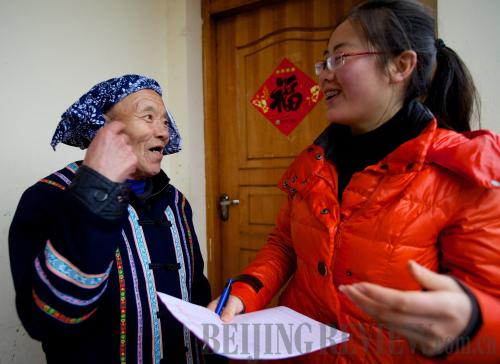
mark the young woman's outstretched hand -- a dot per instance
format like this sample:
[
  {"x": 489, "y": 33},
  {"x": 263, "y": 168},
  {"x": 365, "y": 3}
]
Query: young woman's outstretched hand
[
  {"x": 429, "y": 319},
  {"x": 233, "y": 307}
]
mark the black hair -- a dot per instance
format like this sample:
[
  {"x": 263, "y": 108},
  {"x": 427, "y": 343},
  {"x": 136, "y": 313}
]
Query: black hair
[{"x": 440, "y": 78}]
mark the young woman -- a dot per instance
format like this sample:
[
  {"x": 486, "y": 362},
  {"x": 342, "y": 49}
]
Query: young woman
[{"x": 391, "y": 228}]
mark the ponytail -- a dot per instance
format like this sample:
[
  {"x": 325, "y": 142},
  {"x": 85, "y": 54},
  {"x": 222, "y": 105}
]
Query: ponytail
[
  {"x": 452, "y": 96},
  {"x": 440, "y": 78}
]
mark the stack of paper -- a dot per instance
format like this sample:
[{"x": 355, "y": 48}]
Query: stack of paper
[{"x": 273, "y": 333}]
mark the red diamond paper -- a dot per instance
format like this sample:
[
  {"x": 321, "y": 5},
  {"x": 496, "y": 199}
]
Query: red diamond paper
[{"x": 287, "y": 96}]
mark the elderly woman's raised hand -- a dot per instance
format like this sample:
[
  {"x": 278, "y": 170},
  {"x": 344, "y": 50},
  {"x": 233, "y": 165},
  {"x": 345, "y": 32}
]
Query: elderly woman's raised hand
[
  {"x": 110, "y": 153},
  {"x": 429, "y": 319}
]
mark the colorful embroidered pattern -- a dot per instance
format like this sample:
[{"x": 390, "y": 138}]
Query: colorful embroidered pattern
[
  {"x": 188, "y": 230},
  {"x": 63, "y": 178},
  {"x": 61, "y": 267},
  {"x": 73, "y": 167},
  {"x": 187, "y": 250},
  {"x": 56, "y": 314},
  {"x": 182, "y": 276},
  {"x": 153, "y": 303},
  {"x": 52, "y": 183},
  {"x": 123, "y": 308},
  {"x": 137, "y": 298},
  {"x": 62, "y": 296}
]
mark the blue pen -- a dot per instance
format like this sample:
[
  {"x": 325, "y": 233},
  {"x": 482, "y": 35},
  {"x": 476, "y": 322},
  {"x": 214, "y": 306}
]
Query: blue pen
[
  {"x": 224, "y": 296},
  {"x": 222, "y": 302}
]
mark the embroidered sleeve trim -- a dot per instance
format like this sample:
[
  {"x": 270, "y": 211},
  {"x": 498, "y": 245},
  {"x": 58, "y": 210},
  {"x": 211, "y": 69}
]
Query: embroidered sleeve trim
[
  {"x": 56, "y": 314},
  {"x": 73, "y": 167},
  {"x": 63, "y": 268},
  {"x": 62, "y": 296},
  {"x": 52, "y": 183},
  {"x": 63, "y": 178}
]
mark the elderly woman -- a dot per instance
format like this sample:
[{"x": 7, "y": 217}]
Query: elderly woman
[{"x": 92, "y": 244}]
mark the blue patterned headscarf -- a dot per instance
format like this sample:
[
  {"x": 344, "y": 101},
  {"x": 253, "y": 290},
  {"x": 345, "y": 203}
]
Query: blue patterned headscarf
[{"x": 85, "y": 117}]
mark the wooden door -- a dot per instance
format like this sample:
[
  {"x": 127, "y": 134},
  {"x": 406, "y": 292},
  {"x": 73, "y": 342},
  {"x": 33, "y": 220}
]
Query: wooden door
[
  {"x": 251, "y": 153},
  {"x": 244, "y": 41}
]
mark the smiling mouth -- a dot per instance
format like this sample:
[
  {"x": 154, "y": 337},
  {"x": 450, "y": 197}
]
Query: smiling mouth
[
  {"x": 156, "y": 150},
  {"x": 330, "y": 94}
]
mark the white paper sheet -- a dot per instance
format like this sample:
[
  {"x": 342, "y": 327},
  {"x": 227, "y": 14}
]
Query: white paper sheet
[{"x": 273, "y": 333}]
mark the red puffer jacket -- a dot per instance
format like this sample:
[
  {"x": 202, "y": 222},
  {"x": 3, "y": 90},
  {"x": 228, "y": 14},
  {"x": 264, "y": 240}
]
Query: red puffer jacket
[{"x": 435, "y": 199}]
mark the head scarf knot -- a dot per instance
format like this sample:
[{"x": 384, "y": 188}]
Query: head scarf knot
[{"x": 81, "y": 121}]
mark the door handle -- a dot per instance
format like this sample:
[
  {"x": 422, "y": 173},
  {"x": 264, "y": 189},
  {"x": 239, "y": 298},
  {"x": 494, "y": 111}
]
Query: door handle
[{"x": 225, "y": 202}]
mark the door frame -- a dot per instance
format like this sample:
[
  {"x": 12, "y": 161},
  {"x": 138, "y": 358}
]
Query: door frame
[{"x": 211, "y": 10}]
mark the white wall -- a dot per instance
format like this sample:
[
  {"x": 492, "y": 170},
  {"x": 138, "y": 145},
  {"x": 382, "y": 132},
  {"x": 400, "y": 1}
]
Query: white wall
[
  {"x": 472, "y": 29},
  {"x": 185, "y": 82},
  {"x": 53, "y": 51}
]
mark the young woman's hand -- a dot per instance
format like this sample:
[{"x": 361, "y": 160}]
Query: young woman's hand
[
  {"x": 429, "y": 319},
  {"x": 233, "y": 307}
]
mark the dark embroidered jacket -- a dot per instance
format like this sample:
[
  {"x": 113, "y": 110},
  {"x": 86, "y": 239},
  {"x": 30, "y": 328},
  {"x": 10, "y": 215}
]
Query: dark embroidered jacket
[{"x": 87, "y": 265}]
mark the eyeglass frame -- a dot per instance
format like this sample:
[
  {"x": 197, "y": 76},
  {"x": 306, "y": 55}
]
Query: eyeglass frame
[{"x": 321, "y": 66}]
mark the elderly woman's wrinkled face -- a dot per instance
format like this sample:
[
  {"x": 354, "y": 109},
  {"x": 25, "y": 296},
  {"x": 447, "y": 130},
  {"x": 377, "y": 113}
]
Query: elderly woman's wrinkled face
[{"x": 146, "y": 124}]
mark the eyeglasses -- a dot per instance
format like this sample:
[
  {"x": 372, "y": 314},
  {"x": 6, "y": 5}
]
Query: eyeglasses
[{"x": 337, "y": 60}]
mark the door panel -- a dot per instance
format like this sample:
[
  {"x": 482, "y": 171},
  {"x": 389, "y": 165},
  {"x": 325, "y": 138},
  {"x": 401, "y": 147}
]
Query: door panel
[{"x": 253, "y": 154}]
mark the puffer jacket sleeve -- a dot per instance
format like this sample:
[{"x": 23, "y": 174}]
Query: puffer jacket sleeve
[
  {"x": 470, "y": 247},
  {"x": 273, "y": 265},
  {"x": 61, "y": 255}
]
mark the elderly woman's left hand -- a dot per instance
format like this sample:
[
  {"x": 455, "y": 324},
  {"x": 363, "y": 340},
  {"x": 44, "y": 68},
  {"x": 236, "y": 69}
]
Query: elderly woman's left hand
[{"x": 429, "y": 319}]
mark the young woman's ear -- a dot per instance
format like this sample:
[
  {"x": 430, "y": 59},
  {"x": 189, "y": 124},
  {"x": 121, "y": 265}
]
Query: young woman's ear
[{"x": 402, "y": 66}]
